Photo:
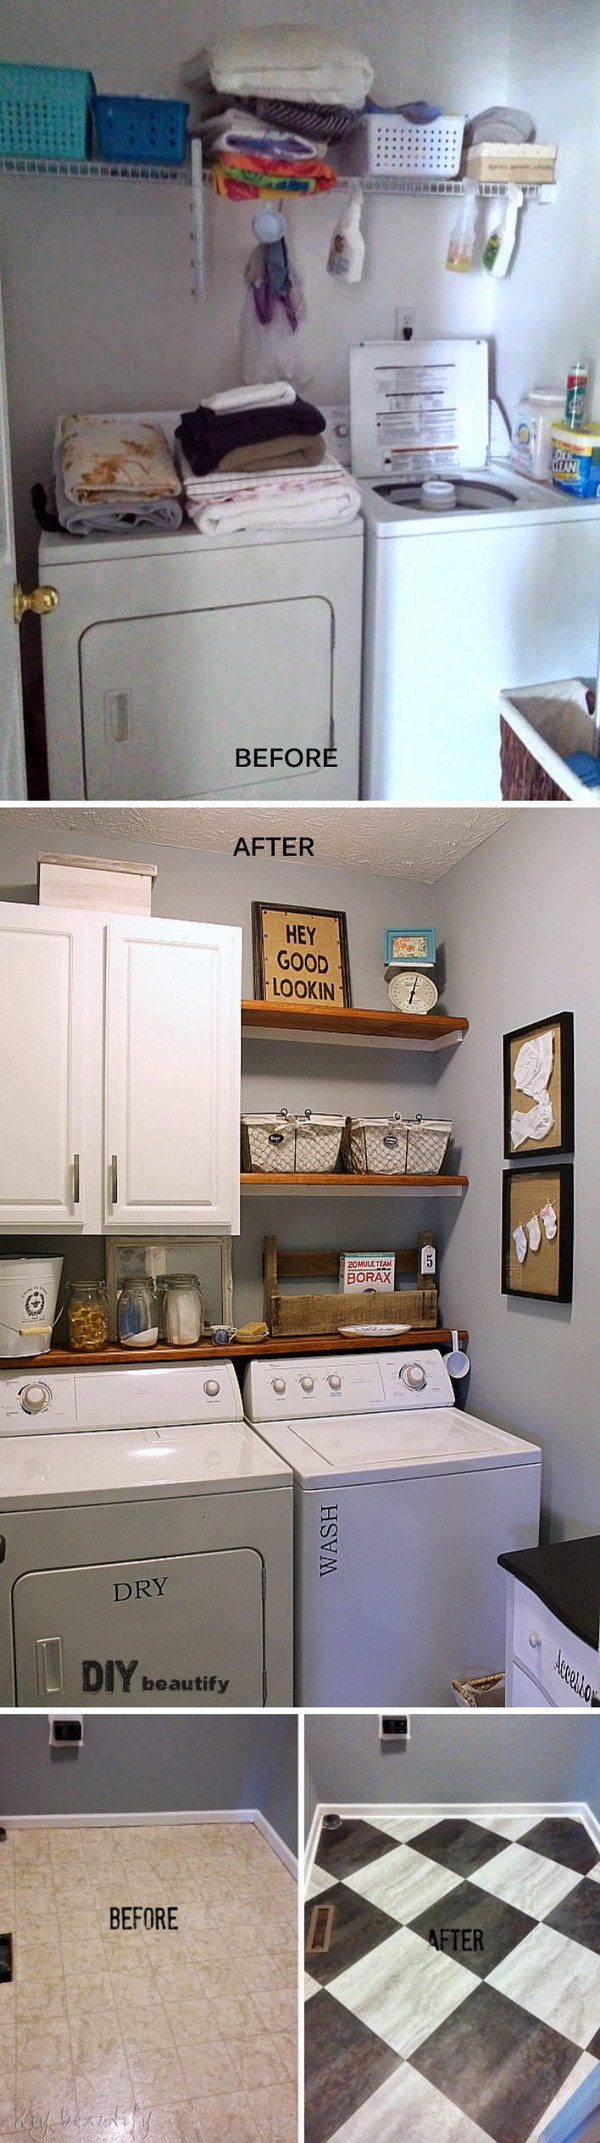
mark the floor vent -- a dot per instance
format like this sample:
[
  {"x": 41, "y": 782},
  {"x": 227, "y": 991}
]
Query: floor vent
[
  {"x": 320, "y": 1929},
  {"x": 6, "y": 1957}
]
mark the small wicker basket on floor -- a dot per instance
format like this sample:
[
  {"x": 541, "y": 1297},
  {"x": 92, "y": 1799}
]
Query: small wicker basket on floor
[{"x": 523, "y": 780}]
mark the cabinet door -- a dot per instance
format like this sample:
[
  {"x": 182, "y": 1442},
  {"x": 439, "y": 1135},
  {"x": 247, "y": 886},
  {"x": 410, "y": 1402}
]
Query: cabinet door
[
  {"x": 172, "y": 1075},
  {"x": 42, "y": 980}
]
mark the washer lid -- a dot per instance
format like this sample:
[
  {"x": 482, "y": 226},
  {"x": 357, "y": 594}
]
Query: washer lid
[
  {"x": 418, "y": 408},
  {"x": 130, "y": 1464},
  {"x": 395, "y": 1446}
]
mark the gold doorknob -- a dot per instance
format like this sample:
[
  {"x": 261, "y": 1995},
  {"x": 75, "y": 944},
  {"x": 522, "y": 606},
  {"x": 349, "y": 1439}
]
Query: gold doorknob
[{"x": 41, "y": 601}]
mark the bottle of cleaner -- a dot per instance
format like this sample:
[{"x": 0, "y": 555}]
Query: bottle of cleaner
[
  {"x": 502, "y": 240},
  {"x": 577, "y": 383},
  {"x": 347, "y": 249},
  {"x": 461, "y": 243}
]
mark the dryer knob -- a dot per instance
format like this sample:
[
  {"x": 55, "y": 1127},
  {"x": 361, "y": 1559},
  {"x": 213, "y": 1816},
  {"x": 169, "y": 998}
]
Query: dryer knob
[
  {"x": 35, "y": 1398},
  {"x": 414, "y": 1376},
  {"x": 335, "y": 1383},
  {"x": 211, "y": 1388},
  {"x": 278, "y": 1385},
  {"x": 307, "y": 1383}
]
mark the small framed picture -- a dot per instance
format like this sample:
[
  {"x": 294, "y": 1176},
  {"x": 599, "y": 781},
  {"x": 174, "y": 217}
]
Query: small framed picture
[
  {"x": 537, "y": 1232},
  {"x": 409, "y": 948},
  {"x": 300, "y": 955},
  {"x": 539, "y": 1112},
  {"x": 208, "y": 1257}
]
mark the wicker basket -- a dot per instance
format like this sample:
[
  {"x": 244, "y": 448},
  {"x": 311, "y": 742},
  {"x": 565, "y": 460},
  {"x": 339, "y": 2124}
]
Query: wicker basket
[
  {"x": 378, "y": 1145},
  {"x": 537, "y": 729},
  {"x": 283, "y": 1144},
  {"x": 426, "y": 1146}
]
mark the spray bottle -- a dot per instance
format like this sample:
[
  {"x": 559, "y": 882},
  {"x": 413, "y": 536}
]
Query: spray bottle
[
  {"x": 461, "y": 243},
  {"x": 347, "y": 249}
]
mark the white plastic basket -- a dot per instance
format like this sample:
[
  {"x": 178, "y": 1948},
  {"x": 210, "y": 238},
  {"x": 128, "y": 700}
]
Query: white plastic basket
[
  {"x": 426, "y": 1145},
  {"x": 385, "y": 142},
  {"x": 378, "y": 1145}
]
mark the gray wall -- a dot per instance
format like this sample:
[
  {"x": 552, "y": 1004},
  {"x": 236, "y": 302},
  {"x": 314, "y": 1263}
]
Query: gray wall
[
  {"x": 454, "y": 1757},
  {"x": 152, "y": 1765},
  {"x": 520, "y": 922}
]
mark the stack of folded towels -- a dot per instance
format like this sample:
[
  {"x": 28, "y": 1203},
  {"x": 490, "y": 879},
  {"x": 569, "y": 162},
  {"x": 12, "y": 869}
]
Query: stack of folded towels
[
  {"x": 254, "y": 457},
  {"x": 280, "y": 93},
  {"x": 114, "y": 474}
]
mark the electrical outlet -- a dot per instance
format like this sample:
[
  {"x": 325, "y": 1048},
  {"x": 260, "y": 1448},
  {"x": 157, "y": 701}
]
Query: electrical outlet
[
  {"x": 394, "y": 1726},
  {"x": 66, "y": 1730},
  {"x": 406, "y": 323}
]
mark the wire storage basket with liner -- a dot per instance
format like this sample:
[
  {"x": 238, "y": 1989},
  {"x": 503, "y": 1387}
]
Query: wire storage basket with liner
[
  {"x": 549, "y": 744},
  {"x": 293, "y": 1145},
  {"x": 397, "y": 1145}
]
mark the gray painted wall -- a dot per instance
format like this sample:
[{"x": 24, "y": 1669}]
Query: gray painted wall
[
  {"x": 149, "y": 1766},
  {"x": 520, "y": 923},
  {"x": 454, "y": 1756}
]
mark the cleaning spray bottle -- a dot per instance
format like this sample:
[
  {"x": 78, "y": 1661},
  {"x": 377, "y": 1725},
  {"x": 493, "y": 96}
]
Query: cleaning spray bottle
[
  {"x": 502, "y": 240},
  {"x": 461, "y": 242},
  {"x": 347, "y": 249}
]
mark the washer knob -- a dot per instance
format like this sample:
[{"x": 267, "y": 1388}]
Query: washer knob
[
  {"x": 414, "y": 1376},
  {"x": 35, "y": 1398},
  {"x": 335, "y": 1383},
  {"x": 307, "y": 1383},
  {"x": 212, "y": 1388},
  {"x": 278, "y": 1384}
]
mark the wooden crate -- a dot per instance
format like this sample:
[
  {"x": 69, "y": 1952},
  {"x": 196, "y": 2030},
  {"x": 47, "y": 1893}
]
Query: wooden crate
[
  {"x": 90, "y": 882},
  {"x": 306, "y": 1315}
]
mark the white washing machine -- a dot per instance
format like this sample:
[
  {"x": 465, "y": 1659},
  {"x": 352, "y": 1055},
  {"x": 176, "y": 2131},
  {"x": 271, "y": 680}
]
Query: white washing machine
[
  {"x": 145, "y": 1541},
  {"x": 497, "y": 588},
  {"x": 169, "y": 656},
  {"x": 402, "y": 1506}
]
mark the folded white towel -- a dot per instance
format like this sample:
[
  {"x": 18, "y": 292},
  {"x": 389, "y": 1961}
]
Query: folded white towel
[
  {"x": 286, "y": 60},
  {"x": 221, "y": 505},
  {"x": 267, "y": 395}
]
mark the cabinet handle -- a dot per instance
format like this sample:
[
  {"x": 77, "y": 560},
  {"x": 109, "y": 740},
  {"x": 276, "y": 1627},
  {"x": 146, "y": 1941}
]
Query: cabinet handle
[
  {"x": 114, "y": 1179},
  {"x": 534, "y": 1637},
  {"x": 76, "y": 1183}
]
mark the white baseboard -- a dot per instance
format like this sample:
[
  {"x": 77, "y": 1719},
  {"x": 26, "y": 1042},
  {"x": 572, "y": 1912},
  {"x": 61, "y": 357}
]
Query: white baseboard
[
  {"x": 436, "y": 1811},
  {"x": 172, "y": 1816},
  {"x": 276, "y": 1843}
]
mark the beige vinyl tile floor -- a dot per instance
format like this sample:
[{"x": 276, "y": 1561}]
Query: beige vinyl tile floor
[{"x": 148, "y": 2037}]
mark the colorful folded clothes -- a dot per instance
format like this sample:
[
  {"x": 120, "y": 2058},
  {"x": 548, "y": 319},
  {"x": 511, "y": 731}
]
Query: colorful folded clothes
[
  {"x": 206, "y": 436},
  {"x": 241, "y": 175},
  {"x": 227, "y": 504},
  {"x": 114, "y": 474}
]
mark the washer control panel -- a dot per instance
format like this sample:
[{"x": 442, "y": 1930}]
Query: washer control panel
[{"x": 330, "y": 1385}]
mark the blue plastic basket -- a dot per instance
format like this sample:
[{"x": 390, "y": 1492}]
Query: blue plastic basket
[
  {"x": 141, "y": 130},
  {"x": 45, "y": 111}
]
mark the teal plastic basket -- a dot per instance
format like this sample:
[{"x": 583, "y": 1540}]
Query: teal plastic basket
[{"x": 45, "y": 111}]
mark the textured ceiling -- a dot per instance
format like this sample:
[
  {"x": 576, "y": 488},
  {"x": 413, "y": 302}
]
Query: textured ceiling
[{"x": 418, "y": 841}]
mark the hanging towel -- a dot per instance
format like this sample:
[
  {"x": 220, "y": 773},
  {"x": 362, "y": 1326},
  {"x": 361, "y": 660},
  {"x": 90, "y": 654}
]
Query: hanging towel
[{"x": 285, "y": 60}]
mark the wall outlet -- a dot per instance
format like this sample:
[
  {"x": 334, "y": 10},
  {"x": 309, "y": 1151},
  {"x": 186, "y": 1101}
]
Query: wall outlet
[
  {"x": 406, "y": 323},
  {"x": 66, "y": 1730},
  {"x": 394, "y": 1726}
]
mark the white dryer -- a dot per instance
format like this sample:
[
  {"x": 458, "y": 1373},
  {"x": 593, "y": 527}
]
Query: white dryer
[
  {"x": 171, "y": 660},
  {"x": 494, "y": 585},
  {"x": 402, "y": 1506},
  {"x": 145, "y": 1541}
]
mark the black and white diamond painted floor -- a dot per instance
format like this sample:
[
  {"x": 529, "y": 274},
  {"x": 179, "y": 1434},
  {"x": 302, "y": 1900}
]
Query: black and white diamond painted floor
[{"x": 460, "y": 1995}]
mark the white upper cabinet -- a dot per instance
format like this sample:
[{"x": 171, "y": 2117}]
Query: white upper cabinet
[
  {"x": 42, "y": 1082},
  {"x": 147, "y": 1012},
  {"x": 172, "y": 1075}
]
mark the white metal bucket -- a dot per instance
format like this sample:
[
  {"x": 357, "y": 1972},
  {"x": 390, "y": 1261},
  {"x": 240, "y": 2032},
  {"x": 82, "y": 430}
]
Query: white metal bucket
[{"x": 28, "y": 1297}]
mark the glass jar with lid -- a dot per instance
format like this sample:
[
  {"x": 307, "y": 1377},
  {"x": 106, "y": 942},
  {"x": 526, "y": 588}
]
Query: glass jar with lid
[
  {"x": 137, "y": 1314},
  {"x": 182, "y": 1311},
  {"x": 87, "y": 1315}
]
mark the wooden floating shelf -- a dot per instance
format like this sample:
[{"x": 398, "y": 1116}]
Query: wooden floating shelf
[
  {"x": 273, "y": 1185},
  {"x": 320, "y": 1343},
  {"x": 342, "y": 1023}
]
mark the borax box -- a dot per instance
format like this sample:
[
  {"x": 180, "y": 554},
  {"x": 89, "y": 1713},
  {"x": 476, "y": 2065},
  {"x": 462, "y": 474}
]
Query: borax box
[{"x": 367, "y": 1275}]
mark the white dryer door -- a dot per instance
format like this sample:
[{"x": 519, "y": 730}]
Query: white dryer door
[
  {"x": 169, "y": 702},
  {"x": 185, "y": 1629}
]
